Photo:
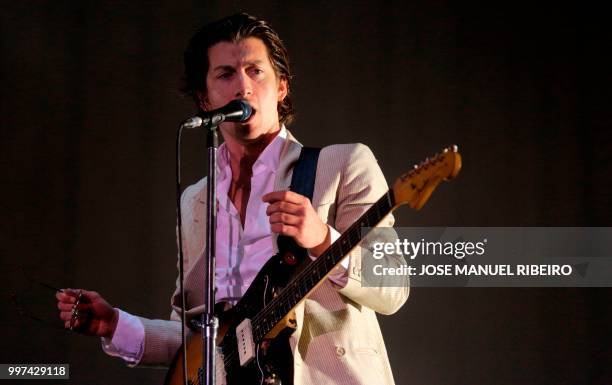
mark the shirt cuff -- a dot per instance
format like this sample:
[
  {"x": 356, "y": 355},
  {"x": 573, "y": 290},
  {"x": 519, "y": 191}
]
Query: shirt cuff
[
  {"x": 339, "y": 275},
  {"x": 128, "y": 340}
]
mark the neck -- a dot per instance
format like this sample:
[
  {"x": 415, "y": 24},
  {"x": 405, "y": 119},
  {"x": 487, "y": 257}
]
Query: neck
[{"x": 242, "y": 155}]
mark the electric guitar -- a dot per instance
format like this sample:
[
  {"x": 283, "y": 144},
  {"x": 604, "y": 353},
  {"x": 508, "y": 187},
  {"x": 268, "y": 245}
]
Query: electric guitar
[{"x": 253, "y": 333}]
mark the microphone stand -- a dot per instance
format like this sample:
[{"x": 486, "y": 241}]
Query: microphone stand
[
  {"x": 209, "y": 322},
  {"x": 241, "y": 110}
]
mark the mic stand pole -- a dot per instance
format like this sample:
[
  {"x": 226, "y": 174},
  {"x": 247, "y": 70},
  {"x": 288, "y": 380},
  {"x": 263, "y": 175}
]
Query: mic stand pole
[{"x": 210, "y": 322}]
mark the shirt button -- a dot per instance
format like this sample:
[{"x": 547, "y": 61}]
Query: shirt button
[{"x": 340, "y": 351}]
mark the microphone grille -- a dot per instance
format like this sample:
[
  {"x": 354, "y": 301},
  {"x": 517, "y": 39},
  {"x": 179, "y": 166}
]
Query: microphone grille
[{"x": 246, "y": 108}]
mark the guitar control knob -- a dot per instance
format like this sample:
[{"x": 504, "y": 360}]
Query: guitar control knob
[{"x": 289, "y": 258}]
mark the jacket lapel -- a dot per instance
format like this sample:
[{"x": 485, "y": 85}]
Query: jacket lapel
[{"x": 289, "y": 155}]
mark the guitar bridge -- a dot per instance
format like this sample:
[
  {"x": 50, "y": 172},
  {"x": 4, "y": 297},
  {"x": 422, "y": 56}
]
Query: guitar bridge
[{"x": 246, "y": 346}]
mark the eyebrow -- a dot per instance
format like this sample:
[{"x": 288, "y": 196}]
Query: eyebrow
[
  {"x": 227, "y": 67},
  {"x": 223, "y": 67}
]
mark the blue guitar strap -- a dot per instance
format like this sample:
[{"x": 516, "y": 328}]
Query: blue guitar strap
[
  {"x": 303, "y": 183},
  {"x": 305, "y": 172}
]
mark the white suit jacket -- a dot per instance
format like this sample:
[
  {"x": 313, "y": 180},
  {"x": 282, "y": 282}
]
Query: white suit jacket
[{"x": 338, "y": 339}]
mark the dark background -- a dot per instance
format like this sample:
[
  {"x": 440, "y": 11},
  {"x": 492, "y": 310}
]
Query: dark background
[{"x": 89, "y": 103}]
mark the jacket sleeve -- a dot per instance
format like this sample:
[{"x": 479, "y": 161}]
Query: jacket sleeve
[
  {"x": 162, "y": 341},
  {"x": 362, "y": 183}
]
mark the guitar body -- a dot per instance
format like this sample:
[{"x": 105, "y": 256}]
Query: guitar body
[{"x": 274, "y": 357}]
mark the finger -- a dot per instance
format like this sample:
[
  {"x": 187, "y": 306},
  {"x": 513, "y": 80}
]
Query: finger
[
  {"x": 288, "y": 230},
  {"x": 71, "y": 292},
  {"x": 61, "y": 296},
  {"x": 74, "y": 324},
  {"x": 63, "y": 306},
  {"x": 287, "y": 196},
  {"x": 72, "y": 295},
  {"x": 75, "y": 319},
  {"x": 286, "y": 207},
  {"x": 66, "y": 315},
  {"x": 273, "y": 196},
  {"x": 288, "y": 219},
  {"x": 66, "y": 297}
]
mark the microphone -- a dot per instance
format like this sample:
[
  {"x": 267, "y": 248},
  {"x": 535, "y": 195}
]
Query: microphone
[{"x": 235, "y": 111}]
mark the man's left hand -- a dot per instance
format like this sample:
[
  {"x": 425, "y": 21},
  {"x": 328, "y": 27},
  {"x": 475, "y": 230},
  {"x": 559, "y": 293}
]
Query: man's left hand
[{"x": 292, "y": 214}]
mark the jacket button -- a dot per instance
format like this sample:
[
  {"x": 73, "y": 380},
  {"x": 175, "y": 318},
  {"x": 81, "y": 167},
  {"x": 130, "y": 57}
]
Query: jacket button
[{"x": 340, "y": 351}]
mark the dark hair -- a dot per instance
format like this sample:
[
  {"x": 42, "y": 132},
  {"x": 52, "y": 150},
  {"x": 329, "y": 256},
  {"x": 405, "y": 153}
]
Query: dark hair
[{"x": 234, "y": 29}]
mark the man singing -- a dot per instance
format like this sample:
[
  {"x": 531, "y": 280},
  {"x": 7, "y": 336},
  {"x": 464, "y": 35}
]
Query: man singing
[{"x": 337, "y": 339}]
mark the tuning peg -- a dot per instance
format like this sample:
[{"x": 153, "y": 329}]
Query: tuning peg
[{"x": 455, "y": 148}]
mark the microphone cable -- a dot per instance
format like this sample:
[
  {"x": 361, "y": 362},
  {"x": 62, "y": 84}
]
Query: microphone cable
[{"x": 180, "y": 250}]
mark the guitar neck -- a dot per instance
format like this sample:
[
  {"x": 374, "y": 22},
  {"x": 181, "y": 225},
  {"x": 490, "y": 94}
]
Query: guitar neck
[{"x": 317, "y": 270}]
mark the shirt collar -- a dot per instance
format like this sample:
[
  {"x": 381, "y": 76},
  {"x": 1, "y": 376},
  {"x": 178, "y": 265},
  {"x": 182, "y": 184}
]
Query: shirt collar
[{"x": 269, "y": 157}]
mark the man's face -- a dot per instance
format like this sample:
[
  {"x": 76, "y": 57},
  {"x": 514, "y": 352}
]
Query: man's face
[{"x": 244, "y": 71}]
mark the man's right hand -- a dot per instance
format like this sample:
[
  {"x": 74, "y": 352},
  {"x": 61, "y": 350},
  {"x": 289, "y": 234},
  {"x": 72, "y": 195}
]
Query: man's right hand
[{"x": 96, "y": 317}]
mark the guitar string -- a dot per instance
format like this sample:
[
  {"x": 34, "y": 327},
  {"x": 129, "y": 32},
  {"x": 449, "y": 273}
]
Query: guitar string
[
  {"x": 373, "y": 213},
  {"x": 298, "y": 283}
]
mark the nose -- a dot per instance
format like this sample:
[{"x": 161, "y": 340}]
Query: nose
[{"x": 244, "y": 87}]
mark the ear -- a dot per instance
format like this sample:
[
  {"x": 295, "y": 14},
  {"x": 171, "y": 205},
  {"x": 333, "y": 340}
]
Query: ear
[
  {"x": 202, "y": 101},
  {"x": 283, "y": 89}
]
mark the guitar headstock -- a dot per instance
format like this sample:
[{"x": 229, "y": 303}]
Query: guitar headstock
[{"x": 415, "y": 186}]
